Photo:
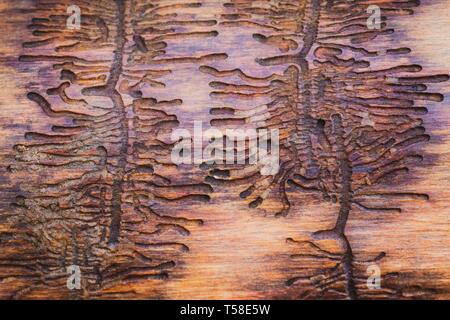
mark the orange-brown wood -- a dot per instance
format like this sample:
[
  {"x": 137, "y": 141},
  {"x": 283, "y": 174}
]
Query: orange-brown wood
[{"x": 87, "y": 178}]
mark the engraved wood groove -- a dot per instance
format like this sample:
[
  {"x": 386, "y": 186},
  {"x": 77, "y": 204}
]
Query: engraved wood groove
[
  {"x": 101, "y": 215},
  {"x": 88, "y": 178}
]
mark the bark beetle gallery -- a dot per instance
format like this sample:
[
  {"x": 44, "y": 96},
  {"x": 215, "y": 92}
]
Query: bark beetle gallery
[{"x": 99, "y": 190}]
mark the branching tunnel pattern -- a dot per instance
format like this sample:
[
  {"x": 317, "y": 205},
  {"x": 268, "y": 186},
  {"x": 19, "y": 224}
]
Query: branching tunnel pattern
[{"x": 346, "y": 126}]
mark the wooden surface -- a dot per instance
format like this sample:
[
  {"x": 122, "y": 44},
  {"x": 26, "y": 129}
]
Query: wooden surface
[{"x": 85, "y": 171}]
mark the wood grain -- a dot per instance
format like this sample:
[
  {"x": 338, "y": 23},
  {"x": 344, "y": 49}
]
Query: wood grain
[{"x": 86, "y": 172}]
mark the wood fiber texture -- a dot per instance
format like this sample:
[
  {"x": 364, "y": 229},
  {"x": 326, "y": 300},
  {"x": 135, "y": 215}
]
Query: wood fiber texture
[{"x": 86, "y": 176}]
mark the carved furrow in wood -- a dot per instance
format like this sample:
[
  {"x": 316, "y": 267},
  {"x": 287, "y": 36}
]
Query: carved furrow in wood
[
  {"x": 346, "y": 125},
  {"x": 105, "y": 164},
  {"x": 97, "y": 187}
]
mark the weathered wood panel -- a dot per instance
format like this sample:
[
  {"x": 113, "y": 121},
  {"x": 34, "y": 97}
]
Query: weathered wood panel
[{"x": 86, "y": 172}]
